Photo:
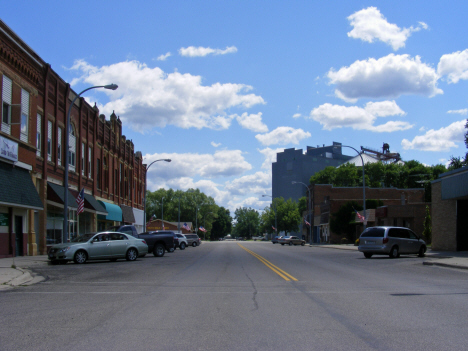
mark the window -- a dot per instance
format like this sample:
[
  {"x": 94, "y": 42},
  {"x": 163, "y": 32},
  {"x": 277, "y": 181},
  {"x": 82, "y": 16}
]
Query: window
[
  {"x": 24, "y": 115},
  {"x": 59, "y": 147},
  {"x": 6, "y": 104},
  {"x": 116, "y": 183},
  {"x": 38, "y": 135},
  {"x": 49, "y": 140},
  {"x": 98, "y": 173},
  {"x": 72, "y": 150},
  {"x": 82, "y": 159},
  {"x": 90, "y": 152}
]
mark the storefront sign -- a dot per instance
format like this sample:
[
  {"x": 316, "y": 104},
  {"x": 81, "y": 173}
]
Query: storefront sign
[
  {"x": 4, "y": 219},
  {"x": 8, "y": 149}
]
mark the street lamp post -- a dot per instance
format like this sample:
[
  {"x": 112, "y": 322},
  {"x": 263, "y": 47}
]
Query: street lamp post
[
  {"x": 308, "y": 211},
  {"x": 67, "y": 158},
  {"x": 146, "y": 177},
  {"x": 273, "y": 202},
  {"x": 162, "y": 211},
  {"x": 363, "y": 185}
]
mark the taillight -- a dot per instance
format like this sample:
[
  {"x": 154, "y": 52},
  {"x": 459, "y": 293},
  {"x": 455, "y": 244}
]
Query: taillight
[
  {"x": 144, "y": 242},
  {"x": 384, "y": 240}
]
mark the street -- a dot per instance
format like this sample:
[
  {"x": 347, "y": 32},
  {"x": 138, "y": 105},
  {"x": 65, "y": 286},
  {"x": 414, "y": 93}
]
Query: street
[{"x": 240, "y": 296}]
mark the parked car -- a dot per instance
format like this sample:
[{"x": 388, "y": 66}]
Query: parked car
[
  {"x": 99, "y": 246},
  {"x": 255, "y": 238},
  {"x": 275, "y": 239},
  {"x": 126, "y": 228},
  {"x": 159, "y": 241},
  {"x": 391, "y": 241},
  {"x": 181, "y": 241},
  {"x": 291, "y": 240},
  {"x": 193, "y": 239}
]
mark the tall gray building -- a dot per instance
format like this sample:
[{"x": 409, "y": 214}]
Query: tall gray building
[{"x": 295, "y": 165}]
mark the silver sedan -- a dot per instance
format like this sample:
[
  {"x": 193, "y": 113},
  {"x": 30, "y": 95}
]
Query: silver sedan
[{"x": 99, "y": 246}]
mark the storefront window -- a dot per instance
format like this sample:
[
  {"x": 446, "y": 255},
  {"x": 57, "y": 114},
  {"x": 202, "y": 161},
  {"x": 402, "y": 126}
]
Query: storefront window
[
  {"x": 84, "y": 220},
  {"x": 72, "y": 224},
  {"x": 54, "y": 228}
]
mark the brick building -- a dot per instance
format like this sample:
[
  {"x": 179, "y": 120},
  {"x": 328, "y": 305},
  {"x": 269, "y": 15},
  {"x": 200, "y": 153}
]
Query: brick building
[
  {"x": 450, "y": 211},
  {"x": 402, "y": 207},
  {"x": 35, "y": 102}
]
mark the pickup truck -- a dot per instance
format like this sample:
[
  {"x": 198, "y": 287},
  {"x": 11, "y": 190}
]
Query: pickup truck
[{"x": 159, "y": 242}]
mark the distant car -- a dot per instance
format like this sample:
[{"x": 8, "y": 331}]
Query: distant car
[
  {"x": 99, "y": 246},
  {"x": 391, "y": 241},
  {"x": 291, "y": 240},
  {"x": 255, "y": 238},
  {"x": 193, "y": 239},
  {"x": 275, "y": 239},
  {"x": 181, "y": 241}
]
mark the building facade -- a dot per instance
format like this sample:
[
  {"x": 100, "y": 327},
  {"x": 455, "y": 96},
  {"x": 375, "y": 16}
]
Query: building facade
[
  {"x": 450, "y": 211},
  {"x": 35, "y": 103}
]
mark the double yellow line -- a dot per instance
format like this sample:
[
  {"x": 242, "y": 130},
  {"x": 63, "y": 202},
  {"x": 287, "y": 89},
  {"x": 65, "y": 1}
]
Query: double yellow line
[{"x": 270, "y": 265}]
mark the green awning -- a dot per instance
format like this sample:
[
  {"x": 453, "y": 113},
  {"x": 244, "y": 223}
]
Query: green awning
[{"x": 114, "y": 212}]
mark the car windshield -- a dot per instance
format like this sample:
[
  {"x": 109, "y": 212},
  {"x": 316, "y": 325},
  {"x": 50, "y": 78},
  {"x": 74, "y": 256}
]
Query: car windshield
[
  {"x": 373, "y": 233},
  {"x": 82, "y": 238}
]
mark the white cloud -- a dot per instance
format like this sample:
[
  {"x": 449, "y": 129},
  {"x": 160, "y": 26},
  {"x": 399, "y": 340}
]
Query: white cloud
[
  {"x": 297, "y": 115},
  {"x": 336, "y": 116},
  {"x": 148, "y": 97},
  {"x": 257, "y": 183},
  {"x": 200, "y": 51},
  {"x": 370, "y": 24},
  {"x": 283, "y": 136},
  {"x": 389, "y": 76},
  {"x": 270, "y": 156},
  {"x": 252, "y": 122},
  {"x": 163, "y": 57},
  {"x": 438, "y": 140},
  {"x": 215, "y": 144},
  {"x": 454, "y": 65},
  {"x": 459, "y": 112}
]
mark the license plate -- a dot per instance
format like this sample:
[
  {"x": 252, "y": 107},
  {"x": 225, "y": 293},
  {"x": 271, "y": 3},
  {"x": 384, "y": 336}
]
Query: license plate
[{"x": 370, "y": 242}]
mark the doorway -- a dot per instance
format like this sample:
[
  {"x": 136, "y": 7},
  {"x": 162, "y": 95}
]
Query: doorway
[
  {"x": 462, "y": 225},
  {"x": 19, "y": 235}
]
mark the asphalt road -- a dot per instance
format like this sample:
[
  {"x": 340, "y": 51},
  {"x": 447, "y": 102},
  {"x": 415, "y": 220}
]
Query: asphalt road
[{"x": 240, "y": 296}]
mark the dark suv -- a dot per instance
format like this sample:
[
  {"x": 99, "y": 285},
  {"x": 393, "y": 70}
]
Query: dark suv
[
  {"x": 193, "y": 239},
  {"x": 126, "y": 229}
]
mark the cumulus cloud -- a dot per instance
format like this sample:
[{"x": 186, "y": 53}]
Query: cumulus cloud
[
  {"x": 252, "y": 122},
  {"x": 459, "y": 112},
  {"x": 283, "y": 136},
  {"x": 442, "y": 139},
  {"x": 389, "y": 76},
  {"x": 369, "y": 25},
  {"x": 215, "y": 144},
  {"x": 148, "y": 97},
  {"x": 163, "y": 57},
  {"x": 336, "y": 116},
  {"x": 200, "y": 51},
  {"x": 297, "y": 115},
  {"x": 454, "y": 65},
  {"x": 270, "y": 156},
  {"x": 257, "y": 183}
]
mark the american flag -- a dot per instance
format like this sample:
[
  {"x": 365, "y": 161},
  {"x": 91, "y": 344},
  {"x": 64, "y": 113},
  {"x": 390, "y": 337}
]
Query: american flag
[
  {"x": 186, "y": 227},
  {"x": 305, "y": 221},
  {"x": 202, "y": 229},
  {"x": 360, "y": 216},
  {"x": 80, "y": 201},
  {"x": 274, "y": 228}
]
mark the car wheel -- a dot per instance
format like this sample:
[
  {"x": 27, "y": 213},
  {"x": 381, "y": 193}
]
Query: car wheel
[
  {"x": 302, "y": 244},
  {"x": 80, "y": 257},
  {"x": 194, "y": 244},
  {"x": 282, "y": 244},
  {"x": 422, "y": 251},
  {"x": 159, "y": 250},
  {"x": 367, "y": 255},
  {"x": 132, "y": 254},
  {"x": 394, "y": 252},
  {"x": 182, "y": 246},
  {"x": 290, "y": 243},
  {"x": 171, "y": 249}
]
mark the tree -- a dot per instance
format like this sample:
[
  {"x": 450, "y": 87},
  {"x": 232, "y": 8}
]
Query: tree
[
  {"x": 222, "y": 225},
  {"x": 325, "y": 176},
  {"x": 247, "y": 222}
]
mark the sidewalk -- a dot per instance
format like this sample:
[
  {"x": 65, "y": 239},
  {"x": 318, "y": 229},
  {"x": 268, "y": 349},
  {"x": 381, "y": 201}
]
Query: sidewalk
[
  {"x": 15, "y": 271},
  {"x": 452, "y": 259}
]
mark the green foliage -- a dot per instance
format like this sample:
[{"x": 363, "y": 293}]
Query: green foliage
[
  {"x": 302, "y": 205},
  {"x": 222, "y": 226},
  {"x": 288, "y": 217},
  {"x": 372, "y": 203},
  {"x": 325, "y": 176},
  {"x": 247, "y": 222},
  {"x": 427, "y": 231}
]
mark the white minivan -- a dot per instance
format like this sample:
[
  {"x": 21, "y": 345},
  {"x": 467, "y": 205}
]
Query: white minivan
[{"x": 391, "y": 241}]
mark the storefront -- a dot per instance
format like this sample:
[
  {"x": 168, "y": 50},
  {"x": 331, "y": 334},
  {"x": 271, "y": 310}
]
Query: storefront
[{"x": 114, "y": 214}]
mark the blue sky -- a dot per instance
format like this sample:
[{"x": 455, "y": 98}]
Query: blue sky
[{"x": 221, "y": 86}]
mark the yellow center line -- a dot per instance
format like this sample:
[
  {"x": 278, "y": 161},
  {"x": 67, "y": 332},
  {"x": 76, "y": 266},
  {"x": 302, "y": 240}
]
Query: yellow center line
[{"x": 277, "y": 270}]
